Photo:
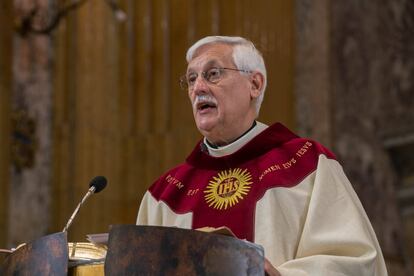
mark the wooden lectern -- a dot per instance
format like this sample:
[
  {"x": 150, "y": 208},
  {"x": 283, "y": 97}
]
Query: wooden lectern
[
  {"x": 47, "y": 255},
  {"x": 142, "y": 250},
  {"x": 154, "y": 250}
]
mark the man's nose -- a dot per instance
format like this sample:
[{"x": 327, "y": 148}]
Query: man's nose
[{"x": 200, "y": 85}]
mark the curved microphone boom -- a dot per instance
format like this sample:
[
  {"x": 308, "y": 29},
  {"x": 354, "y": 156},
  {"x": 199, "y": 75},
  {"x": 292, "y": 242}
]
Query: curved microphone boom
[{"x": 96, "y": 185}]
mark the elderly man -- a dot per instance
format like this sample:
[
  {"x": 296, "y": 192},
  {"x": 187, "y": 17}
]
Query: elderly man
[{"x": 266, "y": 184}]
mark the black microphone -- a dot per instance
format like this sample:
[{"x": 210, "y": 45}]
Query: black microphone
[
  {"x": 96, "y": 185},
  {"x": 99, "y": 183}
]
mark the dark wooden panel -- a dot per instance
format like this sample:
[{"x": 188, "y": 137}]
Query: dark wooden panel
[
  {"x": 161, "y": 111},
  {"x": 142, "y": 77},
  {"x": 203, "y": 20},
  {"x": 230, "y": 21},
  {"x": 181, "y": 114},
  {"x": 6, "y": 29},
  {"x": 275, "y": 38}
]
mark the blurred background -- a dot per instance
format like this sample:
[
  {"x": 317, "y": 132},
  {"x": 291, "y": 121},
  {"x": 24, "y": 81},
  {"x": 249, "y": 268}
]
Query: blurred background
[{"x": 91, "y": 88}]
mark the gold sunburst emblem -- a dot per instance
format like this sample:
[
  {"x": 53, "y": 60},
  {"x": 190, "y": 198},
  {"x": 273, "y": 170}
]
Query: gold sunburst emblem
[{"x": 226, "y": 189}]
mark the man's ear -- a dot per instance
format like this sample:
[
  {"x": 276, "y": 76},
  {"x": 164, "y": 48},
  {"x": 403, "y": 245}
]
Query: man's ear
[{"x": 257, "y": 82}]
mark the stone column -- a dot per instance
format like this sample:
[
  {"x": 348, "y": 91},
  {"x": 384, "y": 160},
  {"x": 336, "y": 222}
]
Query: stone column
[
  {"x": 356, "y": 52},
  {"x": 31, "y": 100},
  {"x": 312, "y": 72},
  {"x": 365, "y": 39}
]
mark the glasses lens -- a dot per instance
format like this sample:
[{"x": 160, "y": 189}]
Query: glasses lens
[
  {"x": 191, "y": 79},
  {"x": 213, "y": 75}
]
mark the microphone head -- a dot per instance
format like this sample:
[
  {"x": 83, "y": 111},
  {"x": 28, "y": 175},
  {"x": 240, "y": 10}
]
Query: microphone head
[{"x": 99, "y": 182}]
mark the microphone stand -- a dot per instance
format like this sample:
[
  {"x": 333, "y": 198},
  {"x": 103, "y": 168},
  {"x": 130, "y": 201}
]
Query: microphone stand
[{"x": 88, "y": 194}]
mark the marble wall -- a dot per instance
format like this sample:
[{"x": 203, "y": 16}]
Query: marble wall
[
  {"x": 30, "y": 187},
  {"x": 362, "y": 53}
]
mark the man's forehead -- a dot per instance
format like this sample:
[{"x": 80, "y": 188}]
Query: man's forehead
[{"x": 211, "y": 54}]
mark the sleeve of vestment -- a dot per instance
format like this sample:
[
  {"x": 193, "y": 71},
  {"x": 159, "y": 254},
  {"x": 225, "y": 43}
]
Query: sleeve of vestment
[
  {"x": 337, "y": 237},
  {"x": 158, "y": 213},
  {"x": 144, "y": 209}
]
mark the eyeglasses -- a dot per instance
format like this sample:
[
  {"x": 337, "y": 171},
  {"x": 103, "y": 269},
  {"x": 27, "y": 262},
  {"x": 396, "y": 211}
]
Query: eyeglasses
[{"x": 212, "y": 75}]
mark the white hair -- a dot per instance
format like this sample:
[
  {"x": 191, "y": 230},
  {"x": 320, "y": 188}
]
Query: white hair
[{"x": 245, "y": 56}]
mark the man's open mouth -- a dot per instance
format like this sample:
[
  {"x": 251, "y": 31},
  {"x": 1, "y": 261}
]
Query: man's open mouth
[{"x": 205, "y": 105}]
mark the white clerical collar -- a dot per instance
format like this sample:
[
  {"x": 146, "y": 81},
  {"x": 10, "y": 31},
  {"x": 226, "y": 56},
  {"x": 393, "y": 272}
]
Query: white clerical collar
[{"x": 236, "y": 145}]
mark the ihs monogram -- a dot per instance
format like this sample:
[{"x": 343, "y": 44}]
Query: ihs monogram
[{"x": 228, "y": 188}]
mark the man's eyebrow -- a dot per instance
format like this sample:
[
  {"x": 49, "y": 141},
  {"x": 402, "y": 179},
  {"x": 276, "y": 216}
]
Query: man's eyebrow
[{"x": 210, "y": 63}]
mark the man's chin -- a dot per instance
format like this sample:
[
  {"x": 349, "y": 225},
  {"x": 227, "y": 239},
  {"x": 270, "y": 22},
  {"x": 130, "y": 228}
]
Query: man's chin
[{"x": 205, "y": 126}]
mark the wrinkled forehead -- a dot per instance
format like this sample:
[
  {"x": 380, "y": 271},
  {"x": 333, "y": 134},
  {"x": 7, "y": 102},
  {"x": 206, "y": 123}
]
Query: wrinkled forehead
[{"x": 213, "y": 54}]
